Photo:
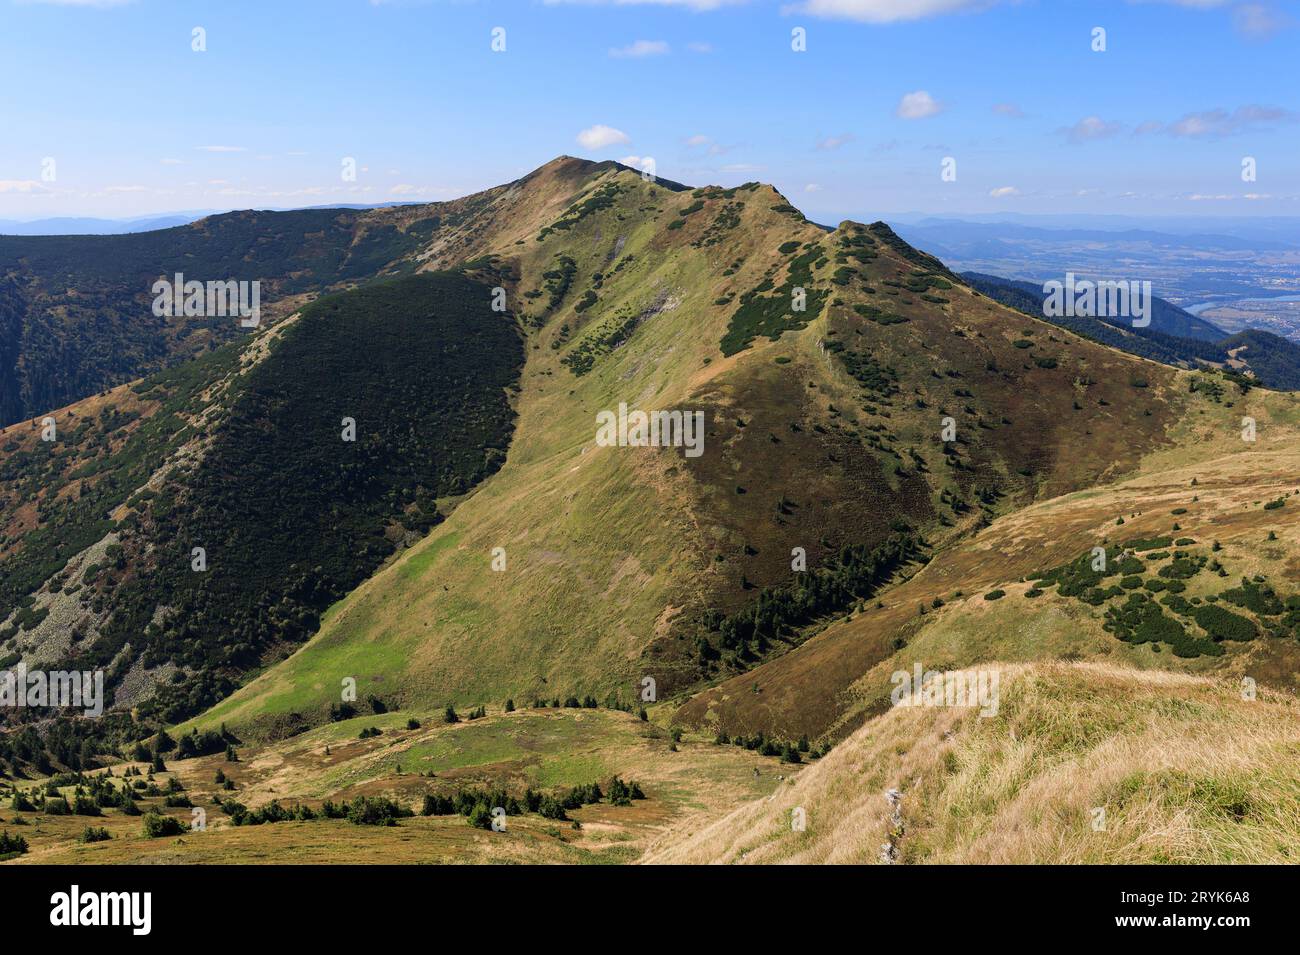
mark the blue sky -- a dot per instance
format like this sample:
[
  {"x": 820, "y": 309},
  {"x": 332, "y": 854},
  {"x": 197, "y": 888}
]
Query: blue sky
[{"x": 858, "y": 124}]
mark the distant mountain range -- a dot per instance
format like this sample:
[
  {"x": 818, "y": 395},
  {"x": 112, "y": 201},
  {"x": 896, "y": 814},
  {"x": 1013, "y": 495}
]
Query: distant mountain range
[
  {"x": 1174, "y": 336},
  {"x": 953, "y": 234},
  {"x": 74, "y": 225},
  {"x": 84, "y": 225},
  {"x": 1189, "y": 262},
  {"x": 1284, "y": 230}
]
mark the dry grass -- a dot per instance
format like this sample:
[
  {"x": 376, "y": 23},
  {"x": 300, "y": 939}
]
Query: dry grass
[{"x": 1185, "y": 769}]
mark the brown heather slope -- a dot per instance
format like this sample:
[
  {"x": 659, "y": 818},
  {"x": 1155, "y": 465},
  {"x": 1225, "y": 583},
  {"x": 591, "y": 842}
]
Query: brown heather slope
[{"x": 1208, "y": 486}]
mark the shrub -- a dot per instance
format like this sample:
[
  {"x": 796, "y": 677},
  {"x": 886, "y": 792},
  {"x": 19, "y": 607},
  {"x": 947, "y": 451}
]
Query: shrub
[
  {"x": 1181, "y": 568},
  {"x": 437, "y": 806},
  {"x": 156, "y": 825},
  {"x": 375, "y": 811},
  {"x": 622, "y": 794},
  {"x": 11, "y": 846},
  {"x": 1223, "y": 624},
  {"x": 550, "y": 808}
]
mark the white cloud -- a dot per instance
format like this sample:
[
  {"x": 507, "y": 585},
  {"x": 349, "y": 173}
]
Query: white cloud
[
  {"x": 601, "y": 136},
  {"x": 1258, "y": 21},
  {"x": 835, "y": 142},
  {"x": 887, "y": 11},
  {"x": 21, "y": 185},
  {"x": 812, "y": 187},
  {"x": 917, "y": 105},
  {"x": 1008, "y": 109},
  {"x": 631, "y": 161},
  {"x": 639, "y": 49},
  {"x": 1003, "y": 192},
  {"x": 1090, "y": 128},
  {"x": 700, "y": 141},
  {"x": 1215, "y": 123},
  {"x": 698, "y": 47}
]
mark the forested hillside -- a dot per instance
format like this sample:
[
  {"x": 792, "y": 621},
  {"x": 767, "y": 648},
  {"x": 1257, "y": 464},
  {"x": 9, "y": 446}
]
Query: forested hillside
[
  {"x": 314, "y": 464},
  {"x": 76, "y": 311}
]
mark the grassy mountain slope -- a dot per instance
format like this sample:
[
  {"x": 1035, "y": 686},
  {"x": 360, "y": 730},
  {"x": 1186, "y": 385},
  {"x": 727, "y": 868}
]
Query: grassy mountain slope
[
  {"x": 839, "y": 677},
  {"x": 583, "y": 576},
  {"x": 823, "y": 431},
  {"x": 1185, "y": 770},
  {"x": 942, "y": 461}
]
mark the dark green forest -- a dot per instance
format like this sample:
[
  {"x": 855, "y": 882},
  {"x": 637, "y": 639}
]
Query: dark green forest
[
  {"x": 290, "y": 514},
  {"x": 75, "y": 311}
]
